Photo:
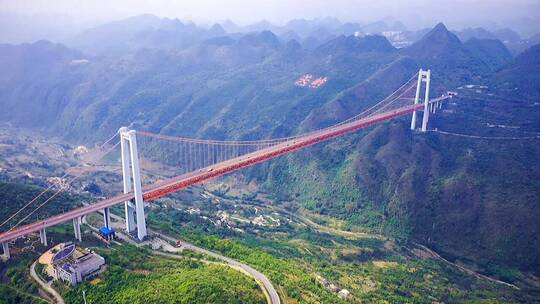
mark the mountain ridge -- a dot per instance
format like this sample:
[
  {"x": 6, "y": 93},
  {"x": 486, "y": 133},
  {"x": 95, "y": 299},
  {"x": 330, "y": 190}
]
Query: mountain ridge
[{"x": 243, "y": 87}]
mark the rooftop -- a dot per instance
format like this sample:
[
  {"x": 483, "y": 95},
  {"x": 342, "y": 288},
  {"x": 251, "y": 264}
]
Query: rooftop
[{"x": 106, "y": 230}]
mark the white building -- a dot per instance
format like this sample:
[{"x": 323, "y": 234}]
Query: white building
[
  {"x": 70, "y": 264},
  {"x": 344, "y": 293},
  {"x": 80, "y": 269}
]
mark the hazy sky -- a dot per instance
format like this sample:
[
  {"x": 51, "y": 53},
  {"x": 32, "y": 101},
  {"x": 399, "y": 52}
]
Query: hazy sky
[{"x": 415, "y": 13}]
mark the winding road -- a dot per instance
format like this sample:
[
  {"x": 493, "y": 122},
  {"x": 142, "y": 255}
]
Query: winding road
[
  {"x": 464, "y": 269},
  {"x": 268, "y": 289},
  {"x": 58, "y": 298}
]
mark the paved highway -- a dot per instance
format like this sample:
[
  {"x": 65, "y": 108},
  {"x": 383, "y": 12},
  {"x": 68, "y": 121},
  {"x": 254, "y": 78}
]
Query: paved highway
[{"x": 267, "y": 287}]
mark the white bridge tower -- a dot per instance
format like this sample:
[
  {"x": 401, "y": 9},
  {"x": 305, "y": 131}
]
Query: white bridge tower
[
  {"x": 132, "y": 182},
  {"x": 423, "y": 76}
]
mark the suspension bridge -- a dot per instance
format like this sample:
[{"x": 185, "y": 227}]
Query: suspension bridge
[{"x": 196, "y": 161}]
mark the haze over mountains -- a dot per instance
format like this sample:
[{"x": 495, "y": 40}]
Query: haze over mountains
[
  {"x": 462, "y": 197},
  {"x": 126, "y": 61},
  {"x": 310, "y": 32}
]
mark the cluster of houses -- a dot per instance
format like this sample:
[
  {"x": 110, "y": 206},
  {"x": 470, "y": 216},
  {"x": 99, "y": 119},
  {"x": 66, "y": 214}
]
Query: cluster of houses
[
  {"x": 58, "y": 182},
  {"x": 342, "y": 293},
  {"x": 309, "y": 81}
]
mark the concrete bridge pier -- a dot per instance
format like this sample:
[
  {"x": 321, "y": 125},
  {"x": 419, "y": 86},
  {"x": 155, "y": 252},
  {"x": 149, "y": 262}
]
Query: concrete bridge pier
[
  {"x": 130, "y": 217},
  {"x": 5, "y": 246},
  {"x": 77, "y": 228},
  {"x": 43, "y": 237},
  {"x": 107, "y": 217}
]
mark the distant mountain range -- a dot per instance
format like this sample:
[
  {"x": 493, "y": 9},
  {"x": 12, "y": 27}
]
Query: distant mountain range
[
  {"x": 149, "y": 31},
  {"x": 214, "y": 63},
  {"x": 145, "y": 31},
  {"x": 472, "y": 200}
]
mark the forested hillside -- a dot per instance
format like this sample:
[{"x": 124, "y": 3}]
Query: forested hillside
[{"x": 471, "y": 199}]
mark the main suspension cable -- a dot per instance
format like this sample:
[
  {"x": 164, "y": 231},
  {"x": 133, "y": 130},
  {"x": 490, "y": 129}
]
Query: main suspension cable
[
  {"x": 284, "y": 139},
  {"x": 51, "y": 186},
  {"x": 59, "y": 190}
]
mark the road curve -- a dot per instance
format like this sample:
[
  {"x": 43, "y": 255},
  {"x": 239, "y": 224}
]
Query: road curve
[
  {"x": 47, "y": 288},
  {"x": 269, "y": 289},
  {"x": 270, "y": 292},
  {"x": 465, "y": 269}
]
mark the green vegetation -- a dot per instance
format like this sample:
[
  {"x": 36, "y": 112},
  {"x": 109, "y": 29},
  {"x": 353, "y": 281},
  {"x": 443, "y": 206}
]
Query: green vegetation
[
  {"x": 135, "y": 276},
  {"x": 16, "y": 285},
  {"x": 40, "y": 271},
  {"x": 473, "y": 201},
  {"x": 191, "y": 281},
  {"x": 292, "y": 259},
  {"x": 368, "y": 269},
  {"x": 11, "y": 295},
  {"x": 15, "y": 282},
  {"x": 14, "y": 195}
]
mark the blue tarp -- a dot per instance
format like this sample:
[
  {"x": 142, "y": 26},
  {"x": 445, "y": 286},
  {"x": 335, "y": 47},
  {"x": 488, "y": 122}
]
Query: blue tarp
[{"x": 106, "y": 231}]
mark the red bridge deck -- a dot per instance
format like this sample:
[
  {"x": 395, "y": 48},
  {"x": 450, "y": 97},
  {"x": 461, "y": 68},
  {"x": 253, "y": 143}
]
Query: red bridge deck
[{"x": 175, "y": 184}]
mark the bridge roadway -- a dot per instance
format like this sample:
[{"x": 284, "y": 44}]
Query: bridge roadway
[{"x": 177, "y": 183}]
